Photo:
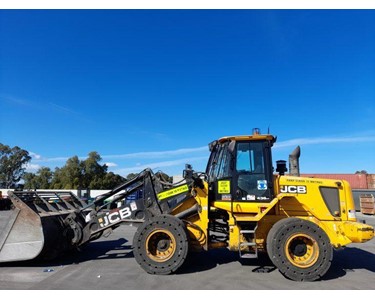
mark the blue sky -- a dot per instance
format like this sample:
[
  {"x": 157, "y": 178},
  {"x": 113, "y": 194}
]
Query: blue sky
[{"x": 151, "y": 88}]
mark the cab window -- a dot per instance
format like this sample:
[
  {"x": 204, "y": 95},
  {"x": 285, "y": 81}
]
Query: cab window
[
  {"x": 251, "y": 183},
  {"x": 250, "y": 158}
]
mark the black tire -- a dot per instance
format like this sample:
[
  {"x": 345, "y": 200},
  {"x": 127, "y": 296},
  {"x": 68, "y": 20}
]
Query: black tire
[
  {"x": 160, "y": 245},
  {"x": 300, "y": 249}
]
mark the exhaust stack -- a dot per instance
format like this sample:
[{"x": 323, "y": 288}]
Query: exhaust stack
[{"x": 294, "y": 162}]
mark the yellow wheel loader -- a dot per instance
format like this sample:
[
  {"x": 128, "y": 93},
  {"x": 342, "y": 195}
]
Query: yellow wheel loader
[{"x": 239, "y": 203}]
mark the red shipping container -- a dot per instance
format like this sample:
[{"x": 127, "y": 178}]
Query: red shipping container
[{"x": 356, "y": 181}]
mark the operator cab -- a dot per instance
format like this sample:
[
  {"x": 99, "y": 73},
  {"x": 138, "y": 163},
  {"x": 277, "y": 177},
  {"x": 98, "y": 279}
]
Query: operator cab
[{"x": 240, "y": 169}]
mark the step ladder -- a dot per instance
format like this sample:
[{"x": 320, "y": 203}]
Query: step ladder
[{"x": 253, "y": 251}]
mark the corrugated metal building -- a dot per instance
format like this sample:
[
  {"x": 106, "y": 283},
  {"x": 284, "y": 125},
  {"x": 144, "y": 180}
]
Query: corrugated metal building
[{"x": 356, "y": 181}]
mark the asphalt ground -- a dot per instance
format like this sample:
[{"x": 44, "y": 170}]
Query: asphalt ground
[{"x": 109, "y": 264}]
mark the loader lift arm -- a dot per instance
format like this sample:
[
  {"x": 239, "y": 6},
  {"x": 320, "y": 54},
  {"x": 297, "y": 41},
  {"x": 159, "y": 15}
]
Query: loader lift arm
[
  {"x": 158, "y": 197},
  {"x": 45, "y": 224}
]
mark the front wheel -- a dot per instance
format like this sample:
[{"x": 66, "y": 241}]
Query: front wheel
[
  {"x": 160, "y": 245},
  {"x": 300, "y": 249}
]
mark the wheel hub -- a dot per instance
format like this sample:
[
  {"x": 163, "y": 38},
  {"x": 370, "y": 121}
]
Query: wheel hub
[
  {"x": 163, "y": 245},
  {"x": 302, "y": 250},
  {"x": 298, "y": 248},
  {"x": 160, "y": 245}
]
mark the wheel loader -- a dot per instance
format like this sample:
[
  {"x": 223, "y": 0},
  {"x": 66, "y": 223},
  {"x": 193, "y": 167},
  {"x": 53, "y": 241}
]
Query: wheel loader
[{"x": 238, "y": 203}]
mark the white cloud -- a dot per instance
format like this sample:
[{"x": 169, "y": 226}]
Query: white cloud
[
  {"x": 32, "y": 167},
  {"x": 157, "y": 165},
  {"x": 139, "y": 155},
  {"x": 35, "y": 156},
  {"x": 158, "y": 154},
  {"x": 52, "y": 159},
  {"x": 110, "y": 164},
  {"x": 195, "y": 153},
  {"x": 324, "y": 140}
]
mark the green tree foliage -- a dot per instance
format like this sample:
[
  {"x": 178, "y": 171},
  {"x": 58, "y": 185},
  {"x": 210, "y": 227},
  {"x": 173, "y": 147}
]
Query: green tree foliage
[
  {"x": 41, "y": 180},
  {"x": 130, "y": 176},
  {"x": 88, "y": 173},
  {"x": 112, "y": 180},
  {"x": 93, "y": 172},
  {"x": 12, "y": 165},
  {"x": 70, "y": 176},
  {"x": 57, "y": 179},
  {"x": 31, "y": 181},
  {"x": 361, "y": 172},
  {"x": 164, "y": 177},
  {"x": 80, "y": 174}
]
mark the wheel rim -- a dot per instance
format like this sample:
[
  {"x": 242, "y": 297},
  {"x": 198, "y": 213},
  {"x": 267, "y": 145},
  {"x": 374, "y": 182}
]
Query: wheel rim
[
  {"x": 160, "y": 245},
  {"x": 302, "y": 250}
]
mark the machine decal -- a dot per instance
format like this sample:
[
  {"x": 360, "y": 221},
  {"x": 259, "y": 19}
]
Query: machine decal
[
  {"x": 173, "y": 192},
  {"x": 117, "y": 215},
  {"x": 250, "y": 197},
  {"x": 133, "y": 206},
  {"x": 226, "y": 197},
  {"x": 262, "y": 185},
  {"x": 223, "y": 187},
  {"x": 293, "y": 189}
]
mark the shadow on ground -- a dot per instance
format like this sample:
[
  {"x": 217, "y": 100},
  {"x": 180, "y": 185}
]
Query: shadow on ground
[
  {"x": 344, "y": 261},
  {"x": 203, "y": 261},
  {"x": 350, "y": 260},
  {"x": 347, "y": 260},
  {"x": 96, "y": 250}
]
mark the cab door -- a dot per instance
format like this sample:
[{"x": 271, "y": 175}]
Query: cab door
[
  {"x": 240, "y": 171},
  {"x": 252, "y": 177}
]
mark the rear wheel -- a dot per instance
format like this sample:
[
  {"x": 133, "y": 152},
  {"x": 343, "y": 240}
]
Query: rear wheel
[
  {"x": 160, "y": 245},
  {"x": 300, "y": 249}
]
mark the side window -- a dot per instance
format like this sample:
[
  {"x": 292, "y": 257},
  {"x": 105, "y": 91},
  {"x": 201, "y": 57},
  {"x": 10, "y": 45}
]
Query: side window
[
  {"x": 216, "y": 167},
  {"x": 224, "y": 164},
  {"x": 213, "y": 161},
  {"x": 220, "y": 168}
]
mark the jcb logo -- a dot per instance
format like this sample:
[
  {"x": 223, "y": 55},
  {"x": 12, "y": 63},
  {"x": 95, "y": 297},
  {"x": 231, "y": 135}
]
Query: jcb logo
[
  {"x": 293, "y": 189},
  {"x": 117, "y": 215}
]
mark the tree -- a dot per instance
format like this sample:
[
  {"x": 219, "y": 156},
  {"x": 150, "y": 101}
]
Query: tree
[
  {"x": 112, "y": 180},
  {"x": 164, "y": 177},
  {"x": 31, "y": 180},
  {"x": 41, "y": 180},
  {"x": 57, "y": 179},
  {"x": 93, "y": 173},
  {"x": 75, "y": 174},
  {"x": 68, "y": 177},
  {"x": 44, "y": 177},
  {"x": 361, "y": 172},
  {"x": 88, "y": 173},
  {"x": 12, "y": 165},
  {"x": 130, "y": 176}
]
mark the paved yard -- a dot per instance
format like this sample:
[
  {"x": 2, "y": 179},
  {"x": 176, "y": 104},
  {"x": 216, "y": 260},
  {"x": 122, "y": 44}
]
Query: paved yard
[{"x": 108, "y": 264}]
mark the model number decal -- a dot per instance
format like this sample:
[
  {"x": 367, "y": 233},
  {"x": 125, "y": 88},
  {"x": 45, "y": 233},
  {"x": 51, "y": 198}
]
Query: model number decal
[{"x": 293, "y": 189}]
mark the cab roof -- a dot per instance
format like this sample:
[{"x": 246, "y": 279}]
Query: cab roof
[{"x": 255, "y": 137}]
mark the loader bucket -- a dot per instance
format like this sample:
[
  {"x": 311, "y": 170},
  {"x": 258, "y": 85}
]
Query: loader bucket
[{"x": 32, "y": 226}]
